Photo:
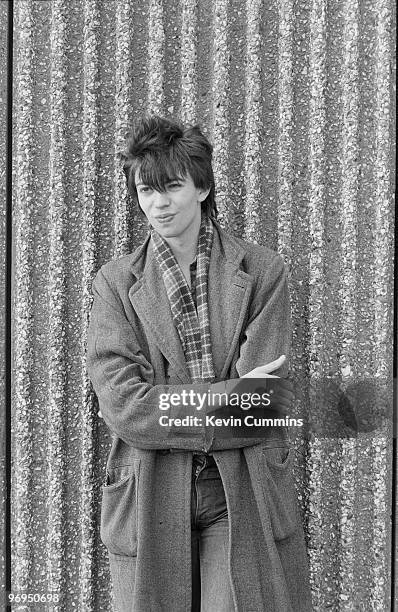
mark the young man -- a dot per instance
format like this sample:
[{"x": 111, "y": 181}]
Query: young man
[{"x": 195, "y": 516}]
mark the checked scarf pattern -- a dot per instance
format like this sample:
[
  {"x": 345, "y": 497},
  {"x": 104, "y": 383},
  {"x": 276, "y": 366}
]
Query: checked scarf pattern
[{"x": 193, "y": 326}]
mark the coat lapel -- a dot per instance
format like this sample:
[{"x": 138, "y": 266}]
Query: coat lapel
[
  {"x": 228, "y": 286},
  {"x": 149, "y": 299},
  {"x": 230, "y": 290}
]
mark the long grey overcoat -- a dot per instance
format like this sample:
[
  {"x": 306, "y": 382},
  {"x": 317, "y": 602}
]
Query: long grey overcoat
[{"x": 133, "y": 355}]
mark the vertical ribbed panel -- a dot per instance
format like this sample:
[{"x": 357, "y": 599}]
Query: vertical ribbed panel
[
  {"x": 156, "y": 40},
  {"x": 253, "y": 125},
  {"x": 189, "y": 22},
  {"x": 297, "y": 100},
  {"x": 219, "y": 99},
  {"x": 317, "y": 178},
  {"x": 23, "y": 425},
  {"x": 383, "y": 243},
  {"x": 123, "y": 92},
  {"x": 90, "y": 162},
  {"x": 323, "y": 585},
  {"x": 57, "y": 299},
  {"x": 348, "y": 326},
  {"x": 285, "y": 144},
  {"x": 4, "y": 8},
  {"x": 383, "y": 217}
]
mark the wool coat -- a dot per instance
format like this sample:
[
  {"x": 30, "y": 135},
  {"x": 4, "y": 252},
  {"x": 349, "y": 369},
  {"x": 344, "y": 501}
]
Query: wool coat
[{"x": 133, "y": 355}]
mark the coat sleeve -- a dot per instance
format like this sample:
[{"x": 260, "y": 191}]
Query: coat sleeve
[
  {"x": 122, "y": 379},
  {"x": 268, "y": 332},
  {"x": 266, "y": 337}
]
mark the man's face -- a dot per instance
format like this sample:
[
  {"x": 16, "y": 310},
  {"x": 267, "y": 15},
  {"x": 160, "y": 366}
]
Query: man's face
[{"x": 175, "y": 212}]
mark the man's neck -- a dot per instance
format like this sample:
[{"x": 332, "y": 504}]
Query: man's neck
[
  {"x": 184, "y": 247},
  {"x": 184, "y": 254}
]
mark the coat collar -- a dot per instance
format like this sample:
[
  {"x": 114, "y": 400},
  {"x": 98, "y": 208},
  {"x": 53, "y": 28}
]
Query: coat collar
[
  {"x": 233, "y": 251},
  {"x": 229, "y": 291}
]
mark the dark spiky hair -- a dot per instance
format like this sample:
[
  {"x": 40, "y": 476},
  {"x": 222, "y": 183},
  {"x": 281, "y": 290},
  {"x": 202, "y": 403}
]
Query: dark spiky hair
[{"x": 165, "y": 150}]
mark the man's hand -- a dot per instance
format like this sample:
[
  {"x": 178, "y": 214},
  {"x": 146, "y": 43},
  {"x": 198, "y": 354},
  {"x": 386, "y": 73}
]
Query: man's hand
[
  {"x": 283, "y": 395},
  {"x": 263, "y": 371}
]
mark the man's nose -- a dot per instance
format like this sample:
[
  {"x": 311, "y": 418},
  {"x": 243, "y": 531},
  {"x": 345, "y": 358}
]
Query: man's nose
[{"x": 161, "y": 199}]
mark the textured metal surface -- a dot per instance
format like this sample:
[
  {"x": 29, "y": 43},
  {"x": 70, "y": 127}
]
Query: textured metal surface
[
  {"x": 3, "y": 153},
  {"x": 298, "y": 101}
]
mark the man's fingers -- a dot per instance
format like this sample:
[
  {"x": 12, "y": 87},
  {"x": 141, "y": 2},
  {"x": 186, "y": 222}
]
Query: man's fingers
[
  {"x": 261, "y": 371},
  {"x": 274, "y": 365},
  {"x": 258, "y": 373}
]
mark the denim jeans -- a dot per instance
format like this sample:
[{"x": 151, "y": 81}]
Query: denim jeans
[{"x": 211, "y": 588}]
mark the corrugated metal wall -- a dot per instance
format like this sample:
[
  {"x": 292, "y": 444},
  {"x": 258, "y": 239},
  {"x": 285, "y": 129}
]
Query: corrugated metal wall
[
  {"x": 3, "y": 154},
  {"x": 297, "y": 98}
]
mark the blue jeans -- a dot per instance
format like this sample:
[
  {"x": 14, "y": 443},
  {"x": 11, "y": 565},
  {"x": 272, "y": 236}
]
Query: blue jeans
[{"x": 211, "y": 588}]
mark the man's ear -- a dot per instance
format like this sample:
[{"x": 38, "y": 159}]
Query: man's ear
[{"x": 203, "y": 194}]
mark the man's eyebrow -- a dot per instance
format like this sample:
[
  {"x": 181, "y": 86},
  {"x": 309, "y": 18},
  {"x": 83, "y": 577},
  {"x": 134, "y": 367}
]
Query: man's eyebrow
[{"x": 170, "y": 180}]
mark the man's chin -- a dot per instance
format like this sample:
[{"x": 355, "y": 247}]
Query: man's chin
[{"x": 168, "y": 232}]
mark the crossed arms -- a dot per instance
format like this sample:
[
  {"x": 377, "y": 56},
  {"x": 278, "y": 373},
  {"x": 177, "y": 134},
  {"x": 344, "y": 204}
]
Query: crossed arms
[{"x": 123, "y": 377}]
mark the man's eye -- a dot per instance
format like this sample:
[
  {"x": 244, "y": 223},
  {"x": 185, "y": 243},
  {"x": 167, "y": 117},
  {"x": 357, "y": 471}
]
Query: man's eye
[
  {"x": 173, "y": 185},
  {"x": 145, "y": 189}
]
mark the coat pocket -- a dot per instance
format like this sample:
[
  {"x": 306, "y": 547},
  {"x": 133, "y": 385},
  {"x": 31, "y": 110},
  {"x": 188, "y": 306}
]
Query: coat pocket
[
  {"x": 119, "y": 510},
  {"x": 280, "y": 491}
]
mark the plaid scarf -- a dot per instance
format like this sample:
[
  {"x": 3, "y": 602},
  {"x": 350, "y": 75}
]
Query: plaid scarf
[{"x": 193, "y": 326}]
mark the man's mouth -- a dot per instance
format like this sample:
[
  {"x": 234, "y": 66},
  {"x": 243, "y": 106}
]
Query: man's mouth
[{"x": 165, "y": 218}]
